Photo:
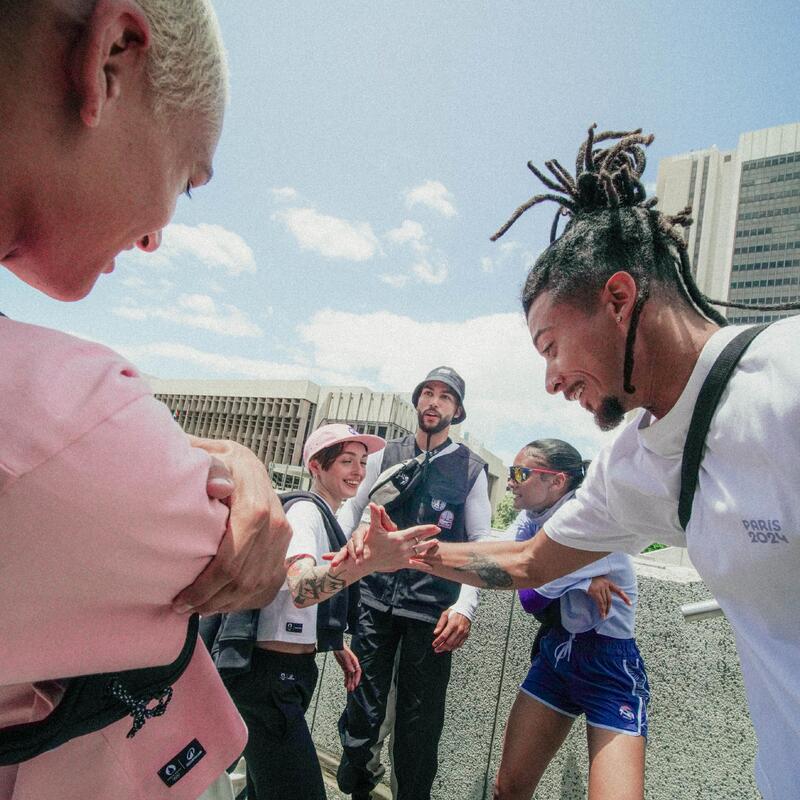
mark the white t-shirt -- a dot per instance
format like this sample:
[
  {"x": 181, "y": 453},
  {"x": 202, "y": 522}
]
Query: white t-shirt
[
  {"x": 281, "y": 620},
  {"x": 744, "y": 534}
]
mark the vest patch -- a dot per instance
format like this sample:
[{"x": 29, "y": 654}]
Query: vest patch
[
  {"x": 180, "y": 764},
  {"x": 446, "y": 519},
  {"x": 438, "y": 505},
  {"x": 294, "y": 627}
]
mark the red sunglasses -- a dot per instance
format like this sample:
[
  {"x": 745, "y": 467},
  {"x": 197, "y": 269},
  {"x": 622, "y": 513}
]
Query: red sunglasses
[{"x": 521, "y": 474}]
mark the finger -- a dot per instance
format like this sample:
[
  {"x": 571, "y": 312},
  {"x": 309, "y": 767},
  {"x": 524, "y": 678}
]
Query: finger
[
  {"x": 375, "y": 518},
  {"x": 442, "y": 622},
  {"x": 386, "y": 520},
  {"x": 445, "y": 645},
  {"x": 420, "y": 532},
  {"x": 621, "y": 594},
  {"x": 426, "y": 548},
  {"x": 210, "y": 582},
  {"x": 219, "y": 484},
  {"x": 454, "y": 642},
  {"x": 418, "y": 563},
  {"x": 446, "y": 632},
  {"x": 355, "y": 549}
]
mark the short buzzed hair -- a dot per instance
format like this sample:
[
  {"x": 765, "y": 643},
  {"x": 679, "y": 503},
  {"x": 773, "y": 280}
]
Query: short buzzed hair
[
  {"x": 188, "y": 68},
  {"x": 187, "y": 65}
]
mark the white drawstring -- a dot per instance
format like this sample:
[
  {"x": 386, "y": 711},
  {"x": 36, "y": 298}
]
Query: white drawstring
[{"x": 564, "y": 650}]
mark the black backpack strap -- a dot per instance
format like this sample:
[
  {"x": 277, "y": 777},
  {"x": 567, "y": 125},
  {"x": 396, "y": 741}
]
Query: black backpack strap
[
  {"x": 704, "y": 409},
  {"x": 340, "y": 611},
  {"x": 92, "y": 702}
]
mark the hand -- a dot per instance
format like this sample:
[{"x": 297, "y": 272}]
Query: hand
[
  {"x": 384, "y": 548},
  {"x": 219, "y": 483},
  {"x": 356, "y": 544},
  {"x": 601, "y": 589},
  {"x": 451, "y": 631},
  {"x": 248, "y": 569},
  {"x": 348, "y": 661}
]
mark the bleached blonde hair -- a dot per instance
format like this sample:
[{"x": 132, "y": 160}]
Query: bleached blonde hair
[{"x": 188, "y": 67}]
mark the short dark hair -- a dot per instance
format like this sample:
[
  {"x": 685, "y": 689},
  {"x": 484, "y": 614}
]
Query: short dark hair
[
  {"x": 613, "y": 226},
  {"x": 559, "y": 455},
  {"x": 328, "y": 455}
]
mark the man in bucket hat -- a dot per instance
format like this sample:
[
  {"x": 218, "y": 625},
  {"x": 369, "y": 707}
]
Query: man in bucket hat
[{"x": 422, "y": 616}]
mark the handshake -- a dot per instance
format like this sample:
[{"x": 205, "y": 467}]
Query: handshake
[{"x": 381, "y": 547}]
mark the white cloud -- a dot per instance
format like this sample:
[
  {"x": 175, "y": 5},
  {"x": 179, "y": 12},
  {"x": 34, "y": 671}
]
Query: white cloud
[
  {"x": 331, "y": 237},
  {"x": 196, "y": 311},
  {"x": 433, "y": 195},
  {"x": 427, "y": 273},
  {"x": 409, "y": 231},
  {"x": 506, "y": 253},
  {"x": 210, "y": 245},
  {"x": 506, "y": 401},
  {"x": 284, "y": 194},
  {"x": 213, "y": 363},
  {"x": 395, "y": 281}
]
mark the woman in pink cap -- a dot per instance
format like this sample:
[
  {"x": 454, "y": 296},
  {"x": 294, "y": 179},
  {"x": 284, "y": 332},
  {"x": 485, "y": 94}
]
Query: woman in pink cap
[{"x": 275, "y": 693}]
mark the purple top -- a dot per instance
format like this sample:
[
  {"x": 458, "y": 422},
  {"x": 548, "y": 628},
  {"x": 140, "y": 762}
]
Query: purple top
[{"x": 532, "y": 601}]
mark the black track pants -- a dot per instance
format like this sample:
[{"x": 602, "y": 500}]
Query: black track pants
[
  {"x": 272, "y": 698},
  {"x": 421, "y": 688}
]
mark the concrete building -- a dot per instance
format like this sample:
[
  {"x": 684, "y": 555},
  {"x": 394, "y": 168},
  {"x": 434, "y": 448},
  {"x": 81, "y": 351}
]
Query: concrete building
[
  {"x": 274, "y": 419},
  {"x": 745, "y": 241}
]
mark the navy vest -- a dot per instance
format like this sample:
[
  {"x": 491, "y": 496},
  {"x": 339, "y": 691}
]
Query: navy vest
[{"x": 438, "y": 500}]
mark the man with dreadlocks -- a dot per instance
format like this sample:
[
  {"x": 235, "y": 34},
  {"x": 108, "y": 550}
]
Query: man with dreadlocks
[{"x": 612, "y": 307}]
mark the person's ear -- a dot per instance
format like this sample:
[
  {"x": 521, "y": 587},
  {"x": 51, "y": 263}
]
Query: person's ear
[
  {"x": 113, "y": 41},
  {"x": 619, "y": 296},
  {"x": 314, "y": 468}
]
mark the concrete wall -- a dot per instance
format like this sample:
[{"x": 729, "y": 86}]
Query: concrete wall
[{"x": 701, "y": 744}]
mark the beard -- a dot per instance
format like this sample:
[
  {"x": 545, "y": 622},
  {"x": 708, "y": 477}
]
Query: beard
[
  {"x": 432, "y": 429},
  {"x": 609, "y": 414}
]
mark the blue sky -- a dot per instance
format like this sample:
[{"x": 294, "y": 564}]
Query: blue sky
[{"x": 369, "y": 151}]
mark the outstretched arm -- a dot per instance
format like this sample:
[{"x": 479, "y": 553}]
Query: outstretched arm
[
  {"x": 505, "y": 565},
  {"x": 385, "y": 550},
  {"x": 310, "y": 584}
]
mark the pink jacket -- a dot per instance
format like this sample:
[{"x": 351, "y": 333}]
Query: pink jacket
[{"x": 103, "y": 519}]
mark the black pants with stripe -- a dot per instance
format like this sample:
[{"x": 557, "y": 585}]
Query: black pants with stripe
[
  {"x": 420, "y": 689},
  {"x": 272, "y": 698}
]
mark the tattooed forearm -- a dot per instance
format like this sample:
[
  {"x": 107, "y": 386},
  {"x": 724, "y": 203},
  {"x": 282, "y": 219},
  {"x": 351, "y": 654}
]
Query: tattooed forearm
[
  {"x": 311, "y": 584},
  {"x": 489, "y": 571}
]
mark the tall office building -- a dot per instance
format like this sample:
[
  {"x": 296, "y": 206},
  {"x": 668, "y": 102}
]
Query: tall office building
[
  {"x": 745, "y": 241},
  {"x": 274, "y": 419}
]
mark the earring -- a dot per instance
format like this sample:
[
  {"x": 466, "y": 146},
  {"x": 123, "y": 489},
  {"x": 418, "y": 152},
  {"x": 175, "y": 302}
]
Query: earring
[{"x": 619, "y": 317}]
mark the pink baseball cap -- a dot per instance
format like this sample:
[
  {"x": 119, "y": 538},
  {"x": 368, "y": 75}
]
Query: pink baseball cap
[{"x": 335, "y": 432}]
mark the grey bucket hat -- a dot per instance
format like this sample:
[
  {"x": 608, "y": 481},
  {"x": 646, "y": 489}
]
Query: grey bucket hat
[{"x": 450, "y": 377}]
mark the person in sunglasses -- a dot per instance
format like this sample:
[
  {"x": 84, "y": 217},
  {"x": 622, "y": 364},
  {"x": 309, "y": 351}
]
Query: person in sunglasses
[{"x": 584, "y": 659}]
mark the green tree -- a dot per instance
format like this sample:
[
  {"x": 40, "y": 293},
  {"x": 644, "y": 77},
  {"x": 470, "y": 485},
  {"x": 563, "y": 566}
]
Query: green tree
[{"x": 504, "y": 513}]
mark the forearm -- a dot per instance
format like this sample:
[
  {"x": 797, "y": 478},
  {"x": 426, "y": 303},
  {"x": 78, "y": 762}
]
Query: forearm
[
  {"x": 310, "y": 584},
  {"x": 508, "y": 565}
]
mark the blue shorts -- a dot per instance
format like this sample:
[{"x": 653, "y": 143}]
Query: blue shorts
[{"x": 591, "y": 674}]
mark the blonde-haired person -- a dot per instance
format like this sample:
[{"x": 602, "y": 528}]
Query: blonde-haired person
[
  {"x": 275, "y": 693},
  {"x": 114, "y": 110}
]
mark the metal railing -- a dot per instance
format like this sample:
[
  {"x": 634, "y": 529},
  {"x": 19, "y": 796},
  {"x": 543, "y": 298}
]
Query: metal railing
[{"x": 705, "y": 609}]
